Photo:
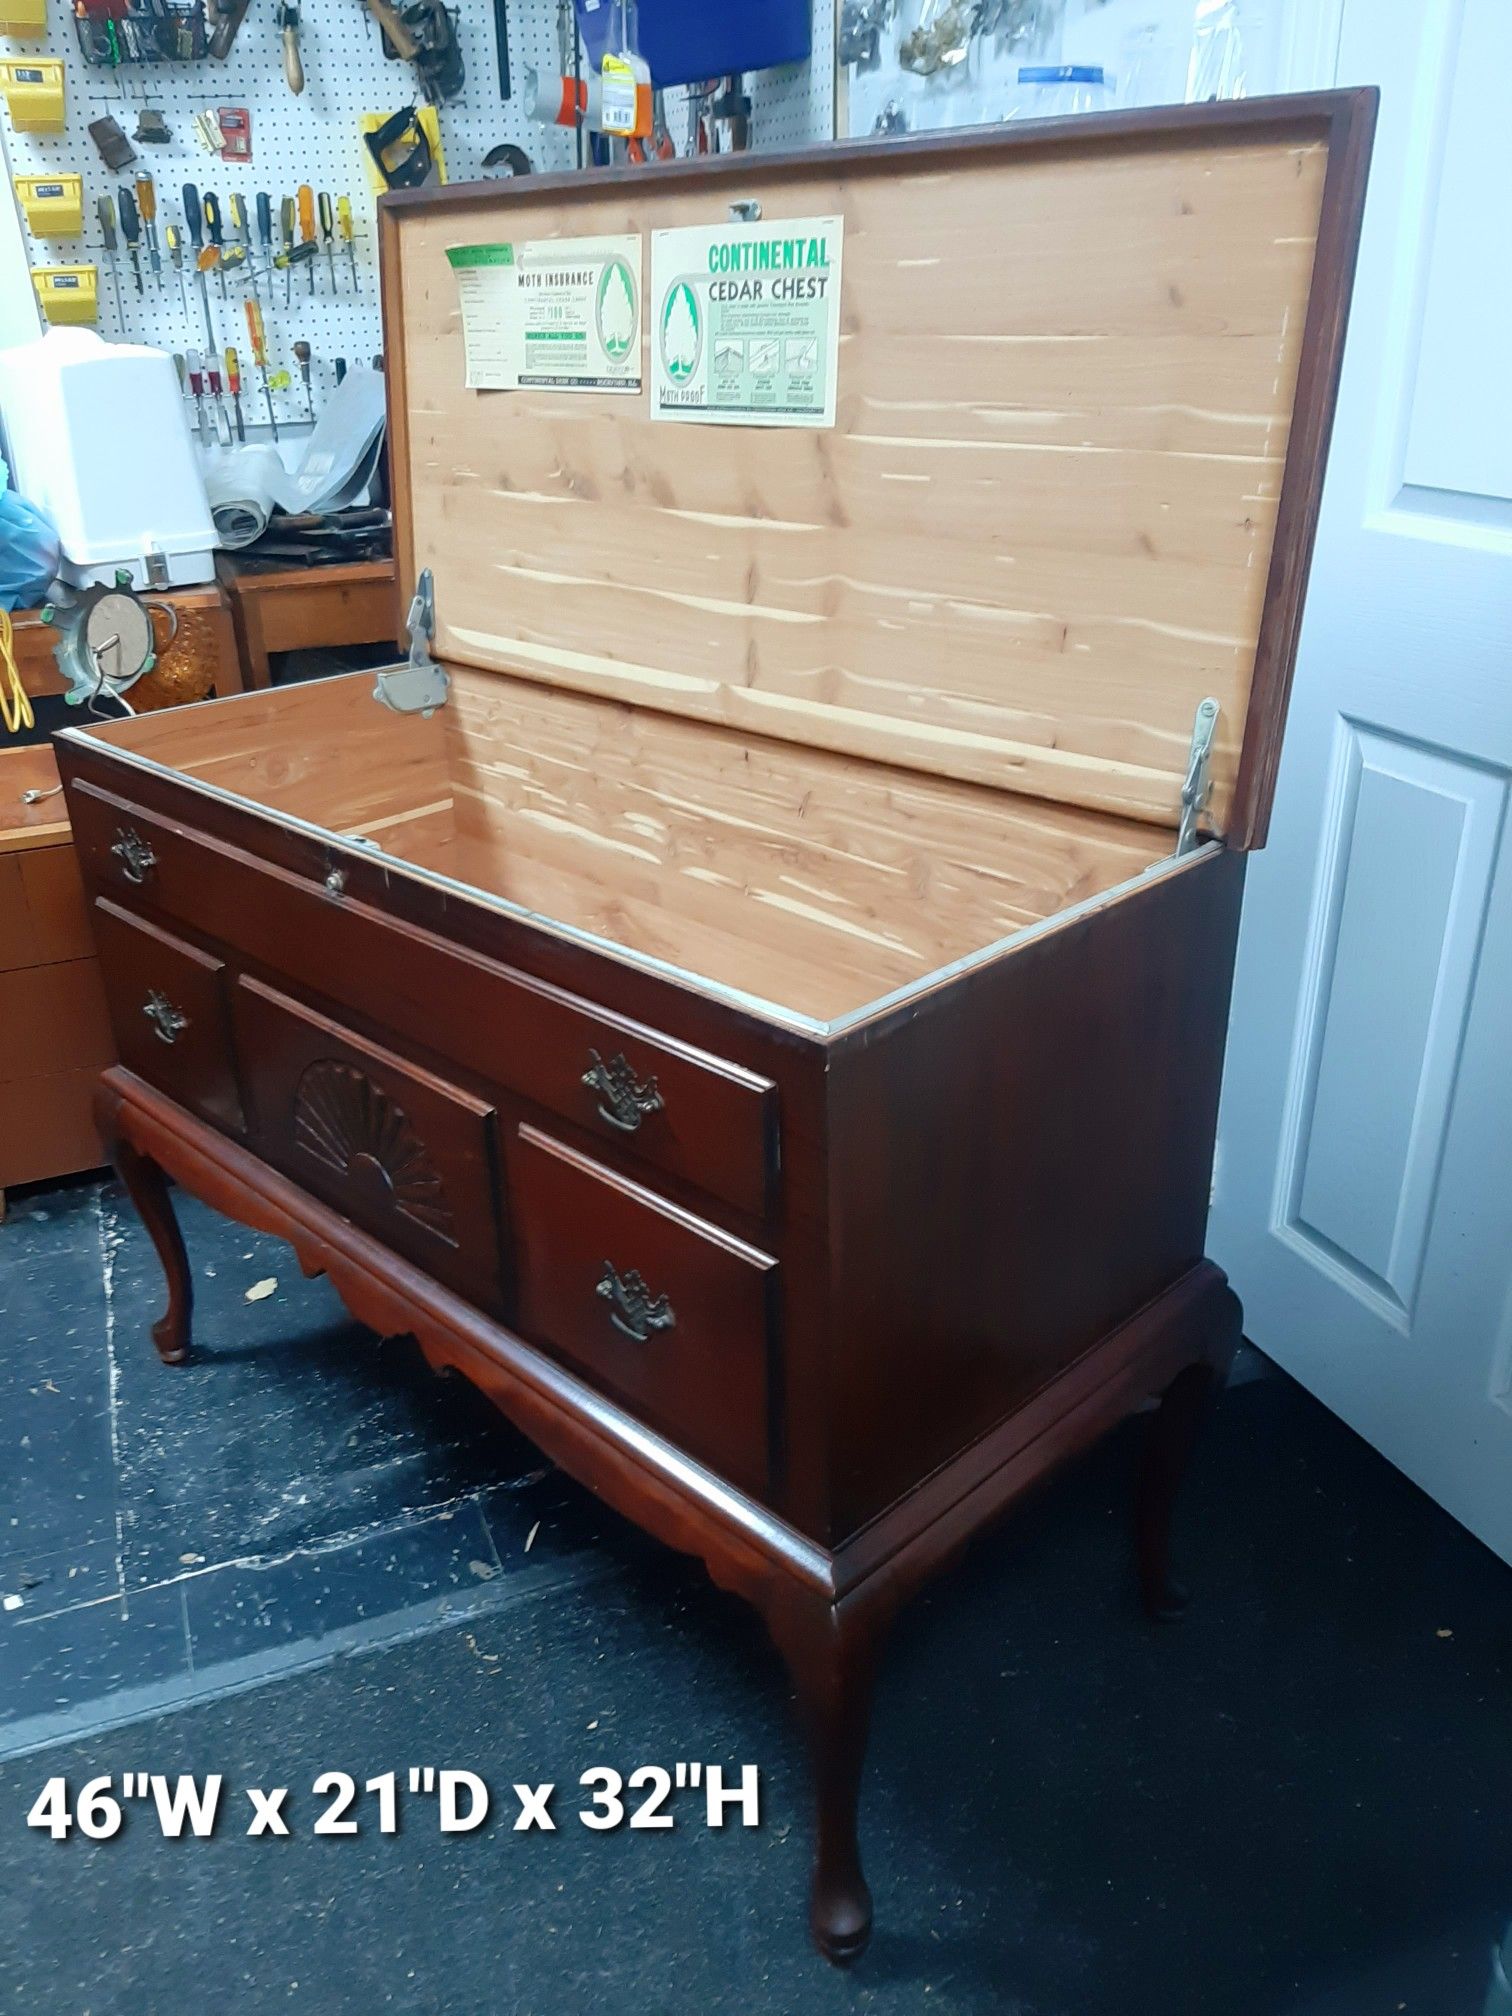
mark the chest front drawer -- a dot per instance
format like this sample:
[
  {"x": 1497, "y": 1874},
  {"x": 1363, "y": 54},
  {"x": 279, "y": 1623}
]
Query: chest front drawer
[
  {"x": 680, "y": 1110},
  {"x": 668, "y": 1315},
  {"x": 397, "y": 1150},
  {"x": 168, "y": 1010}
]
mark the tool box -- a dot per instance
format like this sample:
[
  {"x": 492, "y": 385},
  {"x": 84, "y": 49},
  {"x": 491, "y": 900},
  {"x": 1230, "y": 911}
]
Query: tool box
[
  {"x": 67, "y": 294},
  {"x": 32, "y": 87},
  {"x": 753, "y": 997},
  {"x": 53, "y": 205}
]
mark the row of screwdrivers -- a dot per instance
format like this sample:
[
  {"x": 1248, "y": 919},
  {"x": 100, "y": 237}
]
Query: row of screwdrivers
[
  {"x": 208, "y": 250},
  {"x": 201, "y": 380}
]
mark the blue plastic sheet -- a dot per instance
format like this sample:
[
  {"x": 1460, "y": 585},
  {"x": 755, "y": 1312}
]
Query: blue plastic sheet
[{"x": 29, "y": 550}]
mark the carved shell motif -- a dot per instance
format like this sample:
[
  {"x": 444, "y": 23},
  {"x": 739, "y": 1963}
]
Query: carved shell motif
[{"x": 351, "y": 1125}]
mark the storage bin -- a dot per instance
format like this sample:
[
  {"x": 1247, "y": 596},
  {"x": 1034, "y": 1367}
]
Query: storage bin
[
  {"x": 68, "y": 293},
  {"x": 22, "y": 19},
  {"x": 53, "y": 205},
  {"x": 32, "y": 88}
]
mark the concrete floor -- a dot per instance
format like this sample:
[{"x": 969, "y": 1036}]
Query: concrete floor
[{"x": 302, "y": 1553}]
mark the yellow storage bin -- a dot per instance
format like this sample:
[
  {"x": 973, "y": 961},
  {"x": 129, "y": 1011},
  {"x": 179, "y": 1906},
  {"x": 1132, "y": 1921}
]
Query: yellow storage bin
[
  {"x": 68, "y": 293},
  {"x": 54, "y": 204},
  {"x": 33, "y": 91},
  {"x": 23, "y": 17}
]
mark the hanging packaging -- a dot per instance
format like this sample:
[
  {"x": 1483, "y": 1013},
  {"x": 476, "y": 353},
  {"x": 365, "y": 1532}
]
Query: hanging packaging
[{"x": 624, "y": 78}]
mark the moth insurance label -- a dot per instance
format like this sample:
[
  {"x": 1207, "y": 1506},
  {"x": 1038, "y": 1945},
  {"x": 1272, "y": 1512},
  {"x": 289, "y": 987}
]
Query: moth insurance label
[
  {"x": 745, "y": 323},
  {"x": 560, "y": 313}
]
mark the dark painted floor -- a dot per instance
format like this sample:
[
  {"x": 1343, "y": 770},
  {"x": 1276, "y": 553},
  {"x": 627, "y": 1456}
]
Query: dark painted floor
[{"x": 305, "y": 1554}]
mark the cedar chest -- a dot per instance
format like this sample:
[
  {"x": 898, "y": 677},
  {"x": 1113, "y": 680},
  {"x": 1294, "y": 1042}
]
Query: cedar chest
[{"x": 762, "y": 1017}]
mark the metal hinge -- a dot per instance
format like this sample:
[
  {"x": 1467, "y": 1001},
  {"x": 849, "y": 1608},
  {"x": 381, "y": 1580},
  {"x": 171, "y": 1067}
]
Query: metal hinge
[
  {"x": 419, "y": 685},
  {"x": 1194, "y": 792}
]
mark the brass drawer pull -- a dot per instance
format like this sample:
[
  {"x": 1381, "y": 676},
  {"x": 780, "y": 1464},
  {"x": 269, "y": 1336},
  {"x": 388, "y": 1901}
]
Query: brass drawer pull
[
  {"x": 623, "y": 1099},
  {"x": 632, "y": 1307},
  {"x": 134, "y": 854},
  {"x": 168, "y": 1022}
]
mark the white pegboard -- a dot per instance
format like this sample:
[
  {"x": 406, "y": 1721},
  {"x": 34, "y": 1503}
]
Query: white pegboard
[{"x": 314, "y": 137}]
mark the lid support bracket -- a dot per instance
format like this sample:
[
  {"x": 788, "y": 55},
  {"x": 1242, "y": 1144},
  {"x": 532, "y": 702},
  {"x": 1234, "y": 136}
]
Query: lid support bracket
[
  {"x": 419, "y": 685},
  {"x": 1198, "y": 782}
]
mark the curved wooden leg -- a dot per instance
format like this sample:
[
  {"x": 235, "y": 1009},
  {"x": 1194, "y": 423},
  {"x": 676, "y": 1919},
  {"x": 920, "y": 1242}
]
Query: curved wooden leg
[
  {"x": 832, "y": 1658},
  {"x": 1169, "y": 1443},
  {"x": 147, "y": 1187}
]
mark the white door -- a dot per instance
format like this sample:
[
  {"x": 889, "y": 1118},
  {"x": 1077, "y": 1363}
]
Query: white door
[{"x": 1363, "y": 1198}]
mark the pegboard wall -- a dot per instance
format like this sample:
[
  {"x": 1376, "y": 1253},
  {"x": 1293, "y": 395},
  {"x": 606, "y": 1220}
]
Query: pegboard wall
[{"x": 314, "y": 137}]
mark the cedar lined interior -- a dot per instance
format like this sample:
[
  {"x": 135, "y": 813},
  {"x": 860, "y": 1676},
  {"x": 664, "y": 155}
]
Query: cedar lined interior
[
  {"x": 1039, "y": 533},
  {"x": 816, "y": 881}
]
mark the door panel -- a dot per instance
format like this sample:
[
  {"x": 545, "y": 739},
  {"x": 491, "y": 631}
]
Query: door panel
[{"x": 1363, "y": 1203}]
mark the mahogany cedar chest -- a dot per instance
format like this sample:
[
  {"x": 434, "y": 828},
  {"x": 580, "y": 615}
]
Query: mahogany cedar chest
[{"x": 765, "y": 1027}]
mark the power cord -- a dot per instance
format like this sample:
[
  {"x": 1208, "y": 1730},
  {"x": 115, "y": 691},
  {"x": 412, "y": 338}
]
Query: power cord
[{"x": 15, "y": 702}]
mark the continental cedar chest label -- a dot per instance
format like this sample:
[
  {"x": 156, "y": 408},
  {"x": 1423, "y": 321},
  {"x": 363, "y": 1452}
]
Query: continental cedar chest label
[
  {"x": 559, "y": 313},
  {"x": 745, "y": 323}
]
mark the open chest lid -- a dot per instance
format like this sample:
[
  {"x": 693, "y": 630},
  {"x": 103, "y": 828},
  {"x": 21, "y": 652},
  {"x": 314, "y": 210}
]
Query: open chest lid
[{"x": 1082, "y": 381}]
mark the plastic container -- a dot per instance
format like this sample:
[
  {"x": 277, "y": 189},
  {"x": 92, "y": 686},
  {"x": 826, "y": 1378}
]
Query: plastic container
[
  {"x": 68, "y": 293},
  {"x": 99, "y": 442},
  {"x": 690, "y": 41},
  {"x": 53, "y": 204},
  {"x": 1046, "y": 90},
  {"x": 32, "y": 87},
  {"x": 23, "y": 20}
]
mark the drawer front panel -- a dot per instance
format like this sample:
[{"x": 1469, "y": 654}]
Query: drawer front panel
[
  {"x": 668, "y": 1315},
  {"x": 399, "y": 1152},
  {"x": 689, "y": 1114},
  {"x": 168, "y": 1008}
]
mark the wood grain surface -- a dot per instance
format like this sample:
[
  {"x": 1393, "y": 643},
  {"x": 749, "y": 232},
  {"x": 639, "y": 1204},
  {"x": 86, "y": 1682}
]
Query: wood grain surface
[{"x": 1039, "y": 533}]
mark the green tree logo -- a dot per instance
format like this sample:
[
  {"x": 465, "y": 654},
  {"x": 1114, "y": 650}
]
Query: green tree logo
[
  {"x": 681, "y": 333},
  {"x": 618, "y": 319}
]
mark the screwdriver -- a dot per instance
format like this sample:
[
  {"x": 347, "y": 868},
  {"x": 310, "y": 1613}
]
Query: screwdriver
[
  {"x": 259, "y": 341},
  {"x": 146, "y": 196},
  {"x": 286, "y": 232},
  {"x": 306, "y": 200},
  {"x": 197, "y": 384},
  {"x": 222, "y": 424},
  {"x": 327, "y": 235},
  {"x": 175, "y": 239},
  {"x": 213, "y": 233},
  {"x": 130, "y": 231},
  {"x": 296, "y": 255},
  {"x": 344, "y": 226},
  {"x": 106, "y": 210},
  {"x": 194, "y": 226},
  {"x": 243, "y": 230},
  {"x": 264, "y": 235},
  {"x": 233, "y": 386},
  {"x": 302, "y": 352}
]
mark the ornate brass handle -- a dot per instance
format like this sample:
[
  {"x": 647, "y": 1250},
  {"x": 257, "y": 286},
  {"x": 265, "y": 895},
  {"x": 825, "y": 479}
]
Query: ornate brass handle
[
  {"x": 632, "y": 1307},
  {"x": 623, "y": 1099},
  {"x": 135, "y": 856},
  {"x": 168, "y": 1022}
]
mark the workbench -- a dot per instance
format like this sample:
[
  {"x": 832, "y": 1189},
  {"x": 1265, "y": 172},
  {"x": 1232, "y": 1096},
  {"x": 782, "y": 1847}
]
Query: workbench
[{"x": 306, "y": 608}]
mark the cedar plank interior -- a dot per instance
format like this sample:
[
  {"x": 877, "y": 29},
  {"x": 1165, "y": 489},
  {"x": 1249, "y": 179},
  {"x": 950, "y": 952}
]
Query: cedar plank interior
[{"x": 817, "y": 881}]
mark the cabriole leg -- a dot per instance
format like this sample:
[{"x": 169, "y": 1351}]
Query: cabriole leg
[
  {"x": 833, "y": 1661},
  {"x": 147, "y": 1187}
]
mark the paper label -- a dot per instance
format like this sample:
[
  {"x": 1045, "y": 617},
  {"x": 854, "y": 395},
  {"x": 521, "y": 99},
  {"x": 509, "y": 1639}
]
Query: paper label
[
  {"x": 746, "y": 327},
  {"x": 561, "y": 313},
  {"x": 617, "y": 103}
]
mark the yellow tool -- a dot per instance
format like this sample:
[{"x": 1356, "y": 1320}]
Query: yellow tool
[
  {"x": 305, "y": 197},
  {"x": 233, "y": 386},
  {"x": 257, "y": 337},
  {"x": 344, "y": 226},
  {"x": 175, "y": 238},
  {"x": 146, "y": 194}
]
